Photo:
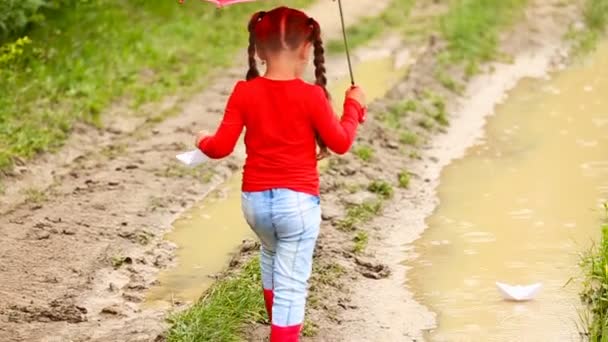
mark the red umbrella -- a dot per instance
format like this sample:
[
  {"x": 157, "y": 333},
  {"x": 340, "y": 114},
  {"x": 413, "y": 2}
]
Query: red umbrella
[{"x": 222, "y": 3}]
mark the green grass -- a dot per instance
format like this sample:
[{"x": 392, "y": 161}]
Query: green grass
[
  {"x": 409, "y": 138},
  {"x": 84, "y": 57},
  {"x": 360, "y": 240},
  {"x": 393, "y": 16},
  {"x": 472, "y": 28},
  {"x": 595, "y": 287},
  {"x": 437, "y": 111},
  {"x": 448, "y": 81},
  {"x": 381, "y": 188},
  {"x": 359, "y": 214},
  {"x": 426, "y": 123},
  {"x": 404, "y": 179},
  {"x": 595, "y": 14},
  {"x": 364, "y": 152},
  {"x": 35, "y": 196},
  {"x": 395, "y": 112},
  {"x": 224, "y": 311}
]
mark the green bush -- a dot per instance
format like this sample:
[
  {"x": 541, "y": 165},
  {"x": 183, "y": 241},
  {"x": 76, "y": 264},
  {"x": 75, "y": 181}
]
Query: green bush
[
  {"x": 595, "y": 287},
  {"x": 15, "y": 15}
]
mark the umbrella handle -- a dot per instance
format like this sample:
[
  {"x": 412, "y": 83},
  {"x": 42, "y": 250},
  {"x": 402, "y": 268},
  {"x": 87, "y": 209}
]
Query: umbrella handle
[{"x": 350, "y": 66}]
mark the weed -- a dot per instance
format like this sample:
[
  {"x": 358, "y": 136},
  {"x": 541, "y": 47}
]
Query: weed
[
  {"x": 595, "y": 14},
  {"x": 35, "y": 196},
  {"x": 381, "y": 188},
  {"x": 360, "y": 241},
  {"x": 426, "y": 123},
  {"x": 472, "y": 27},
  {"x": 395, "y": 112},
  {"x": 404, "y": 178},
  {"x": 328, "y": 274},
  {"x": 310, "y": 329},
  {"x": 358, "y": 214},
  {"x": 223, "y": 311},
  {"x": 448, "y": 81},
  {"x": 438, "y": 110},
  {"x": 364, "y": 152},
  {"x": 595, "y": 286},
  {"x": 415, "y": 155},
  {"x": 409, "y": 138}
]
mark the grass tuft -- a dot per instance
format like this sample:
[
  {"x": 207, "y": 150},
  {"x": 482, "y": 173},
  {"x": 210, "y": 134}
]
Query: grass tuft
[
  {"x": 224, "y": 311},
  {"x": 404, "y": 179},
  {"x": 595, "y": 287},
  {"x": 365, "y": 153},
  {"x": 358, "y": 214},
  {"x": 35, "y": 196},
  {"x": 409, "y": 138},
  {"x": 595, "y": 14},
  {"x": 360, "y": 240},
  {"x": 381, "y": 188},
  {"x": 472, "y": 28}
]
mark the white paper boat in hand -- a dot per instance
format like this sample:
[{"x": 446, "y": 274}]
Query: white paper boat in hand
[
  {"x": 192, "y": 158},
  {"x": 518, "y": 293}
]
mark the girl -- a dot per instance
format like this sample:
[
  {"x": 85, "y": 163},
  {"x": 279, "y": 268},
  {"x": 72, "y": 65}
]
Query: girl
[{"x": 283, "y": 115}]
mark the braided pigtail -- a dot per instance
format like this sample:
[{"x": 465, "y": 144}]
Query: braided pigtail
[
  {"x": 320, "y": 78},
  {"x": 253, "y": 71},
  {"x": 319, "y": 56}
]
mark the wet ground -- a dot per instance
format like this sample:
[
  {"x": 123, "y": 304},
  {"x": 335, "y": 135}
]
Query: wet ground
[{"x": 519, "y": 208}]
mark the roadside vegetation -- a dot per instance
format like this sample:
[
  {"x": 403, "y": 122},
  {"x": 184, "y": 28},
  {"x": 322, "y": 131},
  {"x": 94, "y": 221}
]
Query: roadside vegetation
[
  {"x": 67, "y": 61},
  {"x": 472, "y": 29},
  {"x": 595, "y": 287},
  {"x": 595, "y": 15},
  {"x": 224, "y": 311}
]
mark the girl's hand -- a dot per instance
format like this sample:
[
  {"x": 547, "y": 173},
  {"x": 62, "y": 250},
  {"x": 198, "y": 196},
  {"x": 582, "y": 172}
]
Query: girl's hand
[
  {"x": 200, "y": 136},
  {"x": 357, "y": 94}
]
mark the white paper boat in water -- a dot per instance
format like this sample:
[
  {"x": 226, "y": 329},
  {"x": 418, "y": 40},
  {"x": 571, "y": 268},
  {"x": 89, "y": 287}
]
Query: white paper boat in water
[
  {"x": 518, "y": 293},
  {"x": 192, "y": 158}
]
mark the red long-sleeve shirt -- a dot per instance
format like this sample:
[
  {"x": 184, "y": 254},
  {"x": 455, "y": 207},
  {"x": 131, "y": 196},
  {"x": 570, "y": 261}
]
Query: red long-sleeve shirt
[{"x": 281, "y": 118}]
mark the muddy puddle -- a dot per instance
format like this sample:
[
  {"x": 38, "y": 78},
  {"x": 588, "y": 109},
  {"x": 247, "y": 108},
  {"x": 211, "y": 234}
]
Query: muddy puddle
[
  {"x": 519, "y": 208},
  {"x": 207, "y": 235}
]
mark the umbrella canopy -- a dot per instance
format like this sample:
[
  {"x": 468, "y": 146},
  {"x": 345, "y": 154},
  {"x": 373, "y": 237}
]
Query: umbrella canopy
[{"x": 222, "y": 3}]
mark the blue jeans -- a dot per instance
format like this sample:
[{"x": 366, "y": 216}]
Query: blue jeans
[{"x": 287, "y": 223}]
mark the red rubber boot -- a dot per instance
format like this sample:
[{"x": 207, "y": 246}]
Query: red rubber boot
[
  {"x": 285, "y": 334},
  {"x": 268, "y": 300}
]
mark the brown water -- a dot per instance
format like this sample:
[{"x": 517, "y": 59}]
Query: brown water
[
  {"x": 208, "y": 234},
  {"x": 519, "y": 208}
]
